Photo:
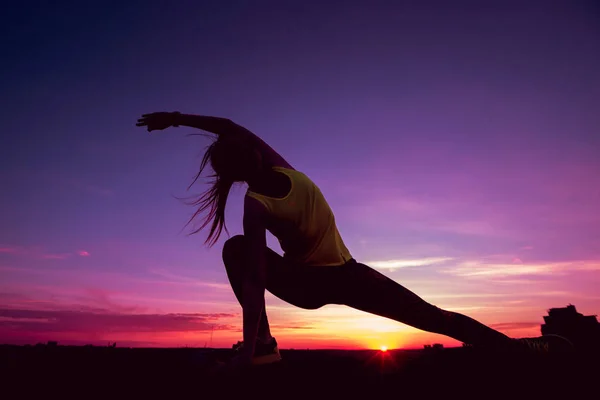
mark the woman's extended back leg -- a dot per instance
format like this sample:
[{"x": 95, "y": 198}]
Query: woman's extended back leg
[{"x": 365, "y": 289}]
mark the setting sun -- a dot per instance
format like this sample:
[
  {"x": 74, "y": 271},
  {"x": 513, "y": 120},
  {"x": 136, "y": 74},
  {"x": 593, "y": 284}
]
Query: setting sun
[{"x": 383, "y": 348}]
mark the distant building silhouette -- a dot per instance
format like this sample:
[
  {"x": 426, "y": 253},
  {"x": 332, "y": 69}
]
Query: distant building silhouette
[
  {"x": 49, "y": 343},
  {"x": 578, "y": 328},
  {"x": 435, "y": 346}
]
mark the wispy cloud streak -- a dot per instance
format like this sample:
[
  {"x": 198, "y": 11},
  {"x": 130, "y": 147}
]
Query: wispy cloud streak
[
  {"x": 106, "y": 321},
  {"x": 483, "y": 270},
  {"x": 395, "y": 264}
]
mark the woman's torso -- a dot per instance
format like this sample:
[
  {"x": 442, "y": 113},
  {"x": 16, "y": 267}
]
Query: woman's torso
[{"x": 303, "y": 222}]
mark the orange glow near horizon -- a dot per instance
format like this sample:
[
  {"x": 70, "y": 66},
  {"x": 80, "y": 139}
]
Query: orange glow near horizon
[{"x": 330, "y": 327}]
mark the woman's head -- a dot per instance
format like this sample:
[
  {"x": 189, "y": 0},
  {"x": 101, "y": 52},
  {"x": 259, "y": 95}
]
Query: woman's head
[{"x": 233, "y": 160}]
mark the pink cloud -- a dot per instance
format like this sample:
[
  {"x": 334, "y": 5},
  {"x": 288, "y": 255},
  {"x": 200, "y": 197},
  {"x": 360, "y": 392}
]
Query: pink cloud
[
  {"x": 62, "y": 256},
  {"x": 517, "y": 261},
  {"x": 28, "y": 251},
  {"x": 43, "y": 298},
  {"x": 106, "y": 321},
  {"x": 38, "y": 252},
  {"x": 9, "y": 249},
  {"x": 508, "y": 326},
  {"x": 292, "y": 326},
  {"x": 101, "y": 298}
]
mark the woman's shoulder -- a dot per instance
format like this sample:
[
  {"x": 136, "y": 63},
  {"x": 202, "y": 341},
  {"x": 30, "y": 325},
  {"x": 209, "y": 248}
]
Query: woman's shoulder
[{"x": 282, "y": 164}]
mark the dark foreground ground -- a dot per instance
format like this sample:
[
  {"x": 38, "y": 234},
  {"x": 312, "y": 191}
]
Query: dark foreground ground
[{"x": 98, "y": 372}]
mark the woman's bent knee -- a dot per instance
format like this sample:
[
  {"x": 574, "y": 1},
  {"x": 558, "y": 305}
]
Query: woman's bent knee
[{"x": 233, "y": 248}]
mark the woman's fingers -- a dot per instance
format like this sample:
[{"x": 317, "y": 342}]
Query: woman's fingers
[
  {"x": 142, "y": 121},
  {"x": 149, "y": 120}
]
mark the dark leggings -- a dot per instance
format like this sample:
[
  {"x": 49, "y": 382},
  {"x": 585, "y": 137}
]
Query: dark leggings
[{"x": 358, "y": 286}]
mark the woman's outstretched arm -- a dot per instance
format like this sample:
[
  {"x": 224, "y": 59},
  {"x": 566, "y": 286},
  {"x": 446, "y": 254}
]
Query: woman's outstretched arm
[{"x": 217, "y": 125}]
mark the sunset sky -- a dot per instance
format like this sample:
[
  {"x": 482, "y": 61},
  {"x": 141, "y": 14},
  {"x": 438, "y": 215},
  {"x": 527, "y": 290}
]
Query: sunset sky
[{"x": 458, "y": 147}]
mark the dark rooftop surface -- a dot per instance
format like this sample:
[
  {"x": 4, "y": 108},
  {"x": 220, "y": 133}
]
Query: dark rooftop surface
[{"x": 85, "y": 372}]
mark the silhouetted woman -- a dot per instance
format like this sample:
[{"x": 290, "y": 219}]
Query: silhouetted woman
[{"x": 316, "y": 268}]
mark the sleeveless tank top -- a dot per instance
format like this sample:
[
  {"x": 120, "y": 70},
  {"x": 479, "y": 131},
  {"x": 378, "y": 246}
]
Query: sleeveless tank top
[{"x": 307, "y": 230}]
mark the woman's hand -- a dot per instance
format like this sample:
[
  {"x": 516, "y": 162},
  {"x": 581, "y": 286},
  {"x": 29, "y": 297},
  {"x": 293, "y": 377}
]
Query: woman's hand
[{"x": 158, "y": 120}]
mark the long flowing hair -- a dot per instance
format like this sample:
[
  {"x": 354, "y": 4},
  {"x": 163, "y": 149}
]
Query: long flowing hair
[{"x": 222, "y": 157}]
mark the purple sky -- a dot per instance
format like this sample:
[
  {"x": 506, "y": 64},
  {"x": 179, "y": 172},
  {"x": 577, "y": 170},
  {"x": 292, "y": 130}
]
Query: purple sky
[{"x": 457, "y": 144}]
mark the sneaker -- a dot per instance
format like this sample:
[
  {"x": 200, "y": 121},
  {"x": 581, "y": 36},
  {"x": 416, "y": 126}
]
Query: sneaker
[
  {"x": 546, "y": 344},
  {"x": 264, "y": 353}
]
